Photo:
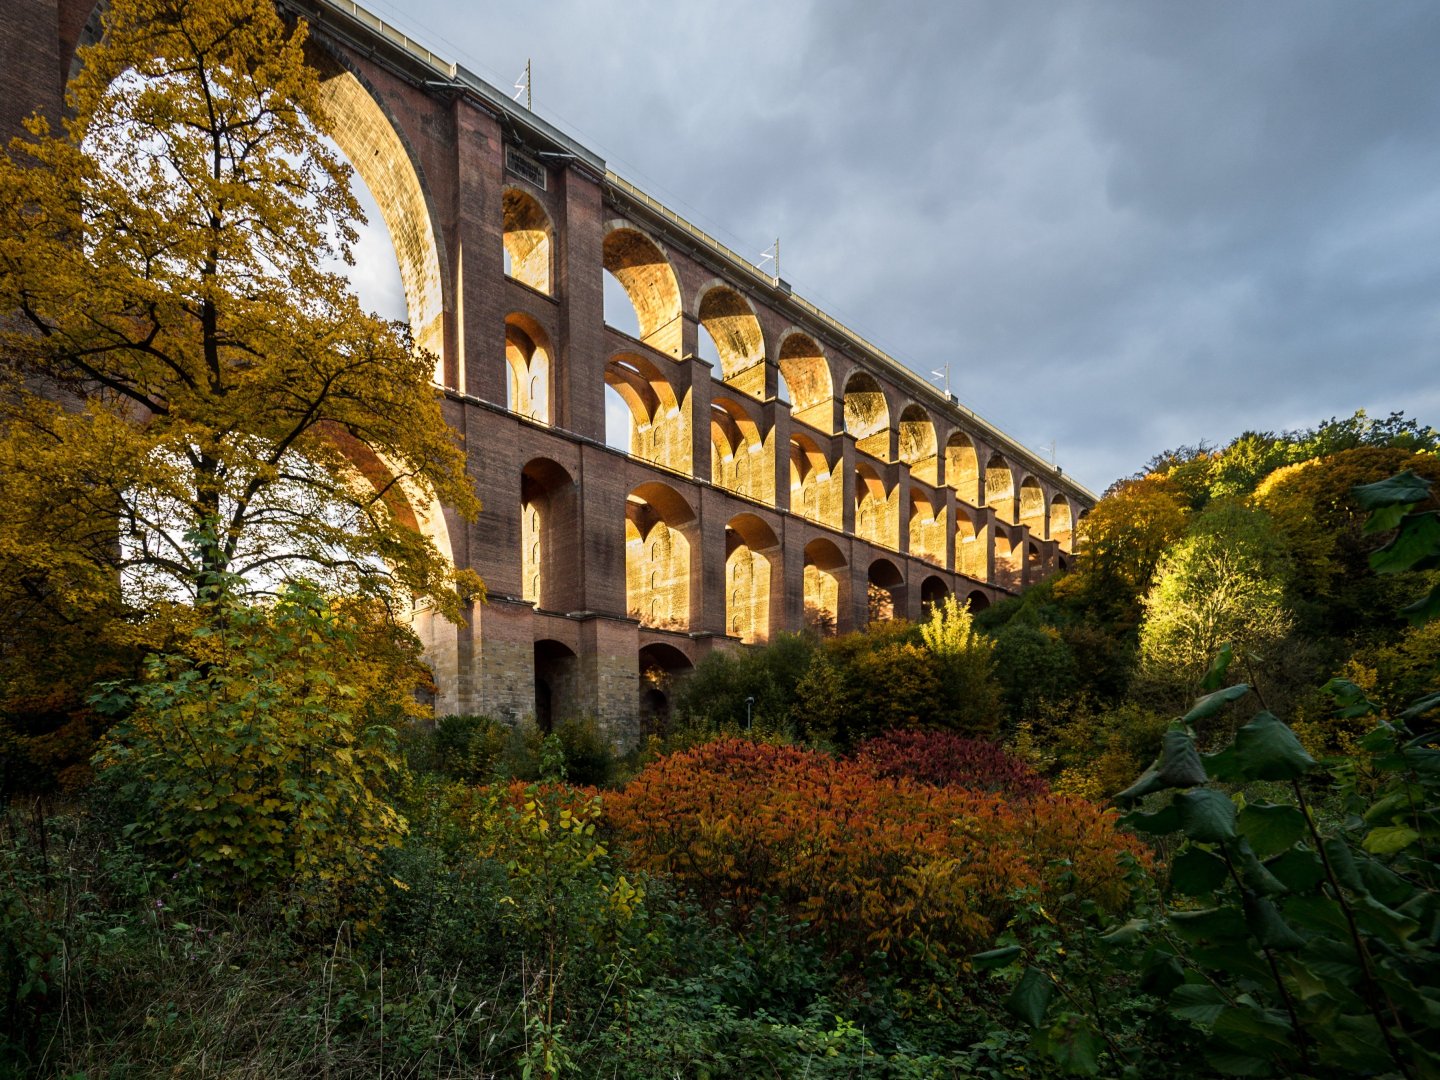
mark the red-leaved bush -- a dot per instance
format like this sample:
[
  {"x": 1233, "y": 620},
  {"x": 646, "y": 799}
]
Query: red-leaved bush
[
  {"x": 944, "y": 759},
  {"x": 869, "y": 863}
]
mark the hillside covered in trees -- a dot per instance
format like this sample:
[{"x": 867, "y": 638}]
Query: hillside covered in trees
[{"x": 1171, "y": 814}]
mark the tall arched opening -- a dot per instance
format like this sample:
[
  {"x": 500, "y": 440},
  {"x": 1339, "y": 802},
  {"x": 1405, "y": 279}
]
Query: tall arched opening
[
  {"x": 526, "y": 239},
  {"x": 876, "y": 511},
  {"x": 807, "y": 377},
  {"x": 1061, "y": 523},
  {"x": 738, "y": 461},
  {"x": 528, "y": 368},
  {"x": 962, "y": 468},
  {"x": 643, "y": 271},
  {"x": 728, "y": 320},
  {"x": 1000, "y": 488},
  {"x": 751, "y": 562},
  {"x": 886, "y": 599},
  {"x": 933, "y": 590},
  {"x": 927, "y": 528},
  {"x": 917, "y": 443},
  {"x": 657, "y": 556},
  {"x": 971, "y": 544},
  {"x": 656, "y": 427},
  {"x": 816, "y": 492},
  {"x": 549, "y": 536},
  {"x": 662, "y": 667},
  {"x": 824, "y": 586},
  {"x": 1032, "y": 507},
  {"x": 557, "y": 684},
  {"x": 867, "y": 415}
]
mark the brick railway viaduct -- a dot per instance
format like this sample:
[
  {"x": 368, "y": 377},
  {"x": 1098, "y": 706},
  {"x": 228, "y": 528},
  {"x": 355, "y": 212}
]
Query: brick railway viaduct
[{"x": 799, "y": 479}]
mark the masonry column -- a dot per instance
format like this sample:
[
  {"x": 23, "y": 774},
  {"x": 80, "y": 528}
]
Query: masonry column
[
  {"x": 32, "y": 72},
  {"x": 478, "y": 364},
  {"x": 579, "y": 265}
]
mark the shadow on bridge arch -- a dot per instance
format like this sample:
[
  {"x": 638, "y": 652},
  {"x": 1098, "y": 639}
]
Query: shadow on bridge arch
[
  {"x": 751, "y": 569},
  {"x": 917, "y": 443},
  {"x": 529, "y": 366},
  {"x": 737, "y": 459},
  {"x": 807, "y": 377},
  {"x": 549, "y": 536},
  {"x": 658, "y": 431},
  {"x": 526, "y": 239},
  {"x": 730, "y": 322},
  {"x": 827, "y": 586},
  {"x": 557, "y": 684},
  {"x": 867, "y": 415},
  {"x": 662, "y": 666},
  {"x": 886, "y": 597},
  {"x": 816, "y": 489},
  {"x": 643, "y": 271}
]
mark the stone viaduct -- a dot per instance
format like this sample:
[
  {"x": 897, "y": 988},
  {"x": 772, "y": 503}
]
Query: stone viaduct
[{"x": 804, "y": 477}]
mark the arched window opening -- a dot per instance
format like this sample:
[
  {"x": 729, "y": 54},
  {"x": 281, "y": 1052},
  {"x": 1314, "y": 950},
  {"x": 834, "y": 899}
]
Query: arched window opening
[
  {"x": 876, "y": 511},
  {"x": 932, "y": 591},
  {"x": 557, "y": 684},
  {"x": 644, "y": 274},
  {"x": 662, "y": 667},
  {"x": 1000, "y": 488},
  {"x": 1007, "y": 562},
  {"x": 750, "y": 546},
  {"x": 971, "y": 541},
  {"x": 526, "y": 238},
  {"x": 927, "y": 528},
  {"x": 978, "y": 600},
  {"x": 962, "y": 468},
  {"x": 657, "y": 429},
  {"x": 824, "y": 566},
  {"x": 738, "y": 461},
  {"x": 917, "y": 443},
  {"x": 806, "y": 375},
  {"x": 816, "y": 491},
  {"x": 549, "y": 536},
  {"x": 1032, "y": 507},
  {"x": 886, "y": 598},
  {"x": 1061, "y": 524},
  {"x": 729, "y": 322},
  {"x": 657, "y": 557},
  {"x": 867, "y": 415},
  {"x": 527, "y": 360}
]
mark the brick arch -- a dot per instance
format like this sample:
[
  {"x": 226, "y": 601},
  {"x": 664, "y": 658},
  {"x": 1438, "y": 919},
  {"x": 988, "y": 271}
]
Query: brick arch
[
  {"x": 962, "y": 467},
  {"x": 917, "y": 442},
  {"x": 807, "y": 376},
  {"x": 529, "y": 361},
  {"x": 867, "y": 414},
  {"x": 659, "y": 527},
  {"x": 1032, "y": 506},
  {"x": 826, "y": 586},
  {"x": 527, "y": 238},
  {"x": 549, "y": 530},
  {"x": 639, "y": 263},
  {"x": 731, "y": 323},
  {"x": 886, "y": 585},
  {"x": 933, "y": 590},
  {"x": 1000, "y": 487},
  {"x": 817, "y": 489},
  {"x": 927, "y": 527},
  {"x": 659, "y": 432},
  {"x": 1062, "y": 523},
  {"x": 751, "y": 565},
  {"x": 875, "y": 507},
  {"x": 738, "y": 461},
  {"x": 972, "y": 543}
]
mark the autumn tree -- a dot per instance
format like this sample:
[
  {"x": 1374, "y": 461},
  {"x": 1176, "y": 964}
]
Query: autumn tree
[{"x": 194, "y": 399}]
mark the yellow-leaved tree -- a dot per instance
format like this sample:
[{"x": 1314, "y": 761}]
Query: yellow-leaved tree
[{"x": 195, "y": 402}]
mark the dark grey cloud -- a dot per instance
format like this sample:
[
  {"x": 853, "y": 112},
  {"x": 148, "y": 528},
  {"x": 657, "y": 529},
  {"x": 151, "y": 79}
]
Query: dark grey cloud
[{"x": 1125, "y": 225}]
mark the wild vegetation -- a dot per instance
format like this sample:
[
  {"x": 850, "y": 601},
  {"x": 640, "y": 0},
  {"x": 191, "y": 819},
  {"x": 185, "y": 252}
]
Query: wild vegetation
[{"x": 1173, "y": 813}]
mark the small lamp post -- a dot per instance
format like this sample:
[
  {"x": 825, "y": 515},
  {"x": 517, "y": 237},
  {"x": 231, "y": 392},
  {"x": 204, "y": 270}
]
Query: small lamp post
[{"x": 749, "y": 704}]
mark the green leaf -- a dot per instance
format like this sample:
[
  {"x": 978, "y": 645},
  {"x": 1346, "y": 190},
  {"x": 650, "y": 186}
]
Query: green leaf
[
  {"x": 1401, "y": 489},
  {"x": 1270, "y": 827},
  {"x": 1196, "y": 872},
  {"x": 1131, "y": 932},
  {"x": 1160, "y": 972},
  {"x": 1389, "y": 839},
  {"x": 1210, "y": 704},
  {"x": 1254, "y": 873},
  {"x": 995, "y": 958},
  {"x": 1337, "y": 852},
  {"x": 1215, "y": 677},
  {"x": 1074, "y": 1045},
  {"x": 1421, "y": 707},
  {"x": 1265, "y": 923},
  {"x": 1267, "y": 749},
  {"x": 1223, "y": 765},
  {"x": 1161, "y": 823},
  {"x": 1148, "y": 783},
  {"x": 1206, "y": 815},
  {"x": 1031, "y": 997},
  {"x": 1299, "y": 870},
  {"x": 1223, "y": 924},
  {"x": 1199, "y": 1003},
  {"x": 1179, "y": 761},
  {"x": 1317, "y": 913},
  {"x": 1424, "y": 610},
  {"x": 1415, "y": 545}
]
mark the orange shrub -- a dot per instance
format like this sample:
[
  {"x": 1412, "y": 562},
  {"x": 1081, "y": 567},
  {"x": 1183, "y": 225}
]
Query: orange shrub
[{"x": 870, "y": 863}]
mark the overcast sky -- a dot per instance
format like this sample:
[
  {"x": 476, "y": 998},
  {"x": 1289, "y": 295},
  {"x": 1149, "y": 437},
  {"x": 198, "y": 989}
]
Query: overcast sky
[{"x": 1125, "y": 226}]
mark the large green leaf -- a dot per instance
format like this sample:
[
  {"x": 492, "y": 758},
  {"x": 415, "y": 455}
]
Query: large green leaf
[
  {"x": 1161, "y": 823},
  {"x": 1196, "y": 872},
  {"x": 1268, "y": 750},
  {"x": 1215, "y": 925},
  {"x": 1389, "y": 839},
  {"x": 1404, "y": 488},
  {"x": 1200, "y": 1003},
  {"x": 1298, "y": 869},
  {"x": 1179, "y": 761},
  {"x": 1271, "y": 827},
  {"x": 1415, "y": 546},
  {"x": 1254, "y": 873},
  {"x": 1031, "y": 997},
  {"x": 1266, "y": 924},
  {"x": 1421, "y": 706},
  {"x": 1424, "y": 610},
  {"x": 995, "y": 958},
  {"x": 1210, "y": 704},
  {"x": 1074, "y": 1045},
  {"x": 1206, "y": 815},
  {"x": 1215, "y": 677}
]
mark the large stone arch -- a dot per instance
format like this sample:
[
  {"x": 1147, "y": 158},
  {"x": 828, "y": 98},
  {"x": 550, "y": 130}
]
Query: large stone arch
[
  {"x": 1032, "y": 507},
  {"x": 933, "y": 591},
  {"x": 1000, "y": 488},
  {"x": 886, "y": 591},
  {"x": 826, "y": 585},
  {"x": 1062, "y": 523},
  {"x": 817, "y": 489},
  {"x": 367, "y": 134},
  {"x": 658, "y": 530},
  {"x": 807, "y": 377},
  {"x": 529, "y": 362},
  {"x": 662, "y": 665},
  {"x": 549, "y": 536},
  {"x": 738, "y": 462},
  {"x": 1009, "y": 558},
  {"x": 917, "y": 443},
  {"x": 557, "y": 683},
  {"x": 751, "y": 565},
  {"x": 527, "y": 239},
  {"x": 927, "y": 527},
  {"x": 972, "y": 542},
  {"x": 867, "y": 414},
  {"x": 641, "y": 267},
  {"x": 876, "y": 508},
  {"x": 739, "y": 342},
  {"x": 962, "y": 468},
  {"x": 659, "y": 430}
]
